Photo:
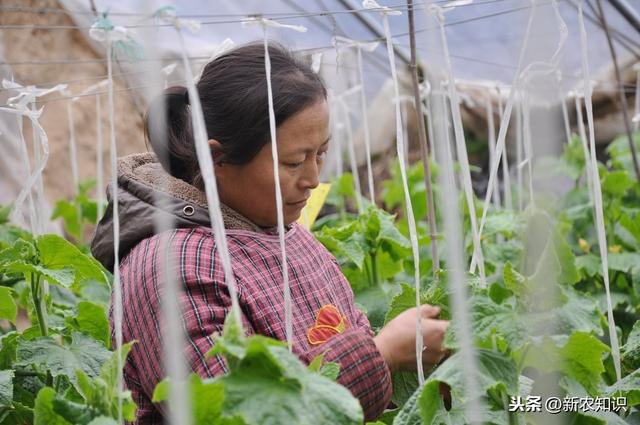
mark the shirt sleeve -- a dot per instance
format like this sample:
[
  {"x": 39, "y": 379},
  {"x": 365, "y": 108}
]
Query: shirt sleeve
[{"x": 363, "y": 370}]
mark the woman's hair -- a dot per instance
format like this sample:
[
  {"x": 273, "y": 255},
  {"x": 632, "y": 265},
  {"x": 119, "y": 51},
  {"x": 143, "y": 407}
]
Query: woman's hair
[{"x": 233, "y": 94}]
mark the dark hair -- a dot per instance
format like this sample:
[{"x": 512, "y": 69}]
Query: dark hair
[{"x": 233, "y": 94}]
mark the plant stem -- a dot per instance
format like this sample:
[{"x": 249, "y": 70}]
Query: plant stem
[
  {"x": 374, "y": 269},
  {"x": 424, "y": 148},
  {"x": 38, "y": 303}
]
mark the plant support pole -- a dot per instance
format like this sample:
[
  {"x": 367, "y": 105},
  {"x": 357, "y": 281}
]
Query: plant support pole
[{"x": 623, "y": 98}]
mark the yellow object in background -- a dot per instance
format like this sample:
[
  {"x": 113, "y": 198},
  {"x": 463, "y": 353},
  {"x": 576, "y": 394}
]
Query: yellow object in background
[{"x": 314, "y": 205}]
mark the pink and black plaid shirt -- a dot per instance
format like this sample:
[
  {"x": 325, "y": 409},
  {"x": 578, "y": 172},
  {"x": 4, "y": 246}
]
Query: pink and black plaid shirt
[{"x": 315, "y": 281}]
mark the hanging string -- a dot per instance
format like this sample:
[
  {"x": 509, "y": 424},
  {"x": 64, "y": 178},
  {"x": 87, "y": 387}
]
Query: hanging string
[
  {"x": 23, "y": 104},
  {"x": 519, "y": 151},
  {"x": 27, "y": 168},
  {"x": 565, "y": 113},
  {"x": 502, "y": 133},
  {"x": 491, "y": 141},
  {"x": 528, "y": 147},
  {"x": 506, "y": 174},
  {"x": 597, "y": 194},
  {"x": 461, "y": 151},
  {"x": 584, "y": 142},
  {"x": 454, "y": 239},
  {"x": 73, "y": 151},
  {"x": 288, "y": 314},
  {"x": 205, "y": 161},
  {"x": 352, "y": 152},
  {"x": 365, "y": 126},
  {"x": 99, "y": 158},
  {"x": 413, "y": 234}
]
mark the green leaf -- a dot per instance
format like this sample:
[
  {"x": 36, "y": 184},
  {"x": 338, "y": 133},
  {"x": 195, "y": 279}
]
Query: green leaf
[
  {"x": 44, "y": 413},
  {"x": 84, "y": 353},
  {"x": 493, "y": 368},
  {"x": 514, "y": 281},
  {"x": 488, "y": 319},
  {"x": 63, "y": 276},
  {"x": 282, "y": 389},
  {"x": 69, "y": 214},
  {"x": 58, "y": 253},
  {"x": 8, "y": 308},
  {"x": 590, "y": 265},
  {"x": 6, "y": 388},
  {"x": 92, "y": 320},
  {"x": 630, "y": 351},
  {"x": 580, "y": 358},
  {"x": 8, "y": 345},
  {"x": 623, "y": 261},
  {"x": 73, "y": 412},
  {"x": 403, "y": 301},
  {"x": 330, "y": 370},
  {"x": 405, "y": 385},
  {"x": 628, "y": 387},
  {"x": 616, "y": 183}
]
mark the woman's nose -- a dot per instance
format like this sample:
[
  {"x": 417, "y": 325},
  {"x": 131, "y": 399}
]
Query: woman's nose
[{"x": 310, "y": 179}]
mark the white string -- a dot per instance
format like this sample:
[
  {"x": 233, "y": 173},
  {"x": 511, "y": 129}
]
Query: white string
[
  {"x": 211, "y": 188},
  {"x": 40, "y": 142},
  {"x": 602, "y": 239},
  {"x": 276, "y": 175},
  {"x": 565, "y": 113},
  {"x": 508, "y": 199},
  {"x": 73, "y": 151},
  {"x": 27, "y": 167},
  {"x": 502, "y": 133},
  {"x": 413, "y": 234},
  {"x": 352, "y": 153},
  {"x": 528, "y": 148},
  {"x": 117, "y": 288},
  {"x": 99, "y": 158},
  {"x": 491, "y": 141},
  {"x": 365, "y": 127},
  {"x": 461, "y": 151},
  {"x": 454, "y": 244},
  {"x": 519, "y": 152},
  {"x": 585, "y": 146}
]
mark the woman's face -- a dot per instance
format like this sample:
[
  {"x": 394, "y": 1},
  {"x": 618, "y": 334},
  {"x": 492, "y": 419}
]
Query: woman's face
[{"x": 249, "y": 189}]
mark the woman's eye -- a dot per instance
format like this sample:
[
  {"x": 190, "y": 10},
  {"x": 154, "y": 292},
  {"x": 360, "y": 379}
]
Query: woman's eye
[
  {"x": 293, "y": 164},
  {"x": 321, "y": 155}
]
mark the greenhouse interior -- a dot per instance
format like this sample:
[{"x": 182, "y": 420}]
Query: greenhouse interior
[{"x": 320, "y": 212}]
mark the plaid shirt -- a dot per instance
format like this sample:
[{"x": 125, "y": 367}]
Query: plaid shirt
[{"x": 315, "y": 281}]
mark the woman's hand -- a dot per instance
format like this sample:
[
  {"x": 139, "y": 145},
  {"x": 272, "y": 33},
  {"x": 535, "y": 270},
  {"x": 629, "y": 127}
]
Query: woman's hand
[{"x": 397, "y": 340}]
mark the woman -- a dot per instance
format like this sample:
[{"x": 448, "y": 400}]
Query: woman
[{"x": 233, "y": 93}]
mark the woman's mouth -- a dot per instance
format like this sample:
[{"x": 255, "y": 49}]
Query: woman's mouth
[{"x": 299, "y": 204}]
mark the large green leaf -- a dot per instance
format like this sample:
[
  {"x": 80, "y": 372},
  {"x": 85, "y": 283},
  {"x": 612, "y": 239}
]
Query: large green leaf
[
  {"x": 6, "y": 388},
  {"x": 58, "y": 253},
  {"x": 628, "y": 387},
  {"x": 46, "y": 353},
  {"x": 580, "y": 358},
  {"x": 631, "y": 349},
  {"x": 92, "y": 320},
  {"x": 426, "y": 406},
  {"x": 282, "y": 389},
  {"x": 489, "y": 319},
  {"x": 8, "y": 308},
  {"x": 44, "y": 413}
]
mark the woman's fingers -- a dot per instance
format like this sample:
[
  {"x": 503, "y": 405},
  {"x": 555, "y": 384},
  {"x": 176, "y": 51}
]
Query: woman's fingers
[{"x": 428, "y": 311}]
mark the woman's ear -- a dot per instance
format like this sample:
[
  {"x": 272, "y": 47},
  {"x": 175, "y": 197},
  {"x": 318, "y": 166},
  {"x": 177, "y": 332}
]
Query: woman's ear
[{"x": 216, "y": 151}]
